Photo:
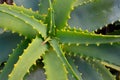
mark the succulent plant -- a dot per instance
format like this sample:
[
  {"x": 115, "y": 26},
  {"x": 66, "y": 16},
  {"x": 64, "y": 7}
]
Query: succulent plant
[{"x": 75, "y": 39}]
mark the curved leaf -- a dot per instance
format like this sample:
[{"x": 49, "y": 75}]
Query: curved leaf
[
  {"x": 26, "y": 25},
  {"x": 61, "y": 56},
  {"x": 105, "y": 52},
  {"x": 13, "y": 59},
  {"x": 62, "y": 9},
  {"x": 30, "y": 55},
  {"x": 43, "y": 7},
  {"x": 28, "y": 3},
  {"x": 88, "y": 72},
  {"x": 74, "y": 67},
  {"x": 96, "y": 14},
  {"x": 24, "y": 10},
  {"x": 111, "y": 65},
  {"x": 55, "y": 66},
  {"x": 91, "y": 70},
  {"x": 105, "y": 73},
  {"x": 8, "y": 41}
]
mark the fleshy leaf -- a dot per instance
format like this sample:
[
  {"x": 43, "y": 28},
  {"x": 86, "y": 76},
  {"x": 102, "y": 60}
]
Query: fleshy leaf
[
  {"x": 82, "y": 2},
  {"x": 24, "y": 10},
  {"x": 55, "y": 66},
  {"x": 88, "y": 73},
  {"x": 72, "y": 37},
  {"x": 26, "y": 25},
  {"x": 8, "y": 41},
  {"x": 93, "y": 16},
  {"x": 28, "y": 3},
  {"x": 50, "y": 20},
  {"x": 105, "y": 73},
  {"x": 43, "y": 7},
  {"x": 13, "y": 59},
  {"x": 62, "y": 57},
  {"x": 62, "y": 9},
  {"x": 111, "y": 65},
  {"x": 106, "y": 52},
  {"x": 30, "y": 55},
  {"x": 71, "y": 62}
]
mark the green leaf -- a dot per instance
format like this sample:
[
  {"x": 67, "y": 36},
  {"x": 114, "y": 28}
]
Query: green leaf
[
  {"x": 21, "y": 28},
  {"x": 55, "y": 66},
  {"x": 88, "y": 72},
  {"x": 13, "y": 59},
  {"x": 30, "y": 55},
  {"x": 24, "y": 10},
  {"x": 105, "y": 73},
  {"x": 43, "y": 7},
  {"x": 72, "y": 37},
  {"x": 96, "y": 14},
  {"x": 111, "y": 65},
  {"x": 8, "y": 41},
  {"x": 50, "y": 20},
  {"x": 105, "y": 52},
  {"x": 28, "y": 3},
  {"x": 62, "y": 9},
  {"x": 26, "y": 25},
  {"x": 82, "y": 2},
  {"x": 62, "y": 57},
  {"x": 71, "y": 62}
]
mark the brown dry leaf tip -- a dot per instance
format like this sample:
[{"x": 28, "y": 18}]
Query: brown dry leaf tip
[
  {"x": 2, "y": 1},
  {"x": 10, "y": 2}
]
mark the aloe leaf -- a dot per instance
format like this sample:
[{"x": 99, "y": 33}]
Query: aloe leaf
[
  {"x": 62, "y": 9},
  {"x": 13, "y": 59},
  {"x": 26, "y": 25},
  {"x": 55, "y": 66},
  {"x": 28, "y": 3},
  {"x": 27, "y": 59},
  {"x": 8, "y": 41},
  {"x": 24, "y": 10},
  {"x": 111, "y": 65},
  {"x": 50, "y": 20},
  {"x": 71, "y": 62},
  {"x": 105, "y": 73},
  {"x": 106, "y": 52},
  {"x": 62, "y": 57},
  {"x": 43, "y": 7},
  {"x": 36, "y": 74},
  {"x": 22, "y": 29},
  {"x": 92, "y": 16},
  {"x": 82, "y": 2},
  {"x": 88, "y": 72},
  {"x": 72, "y": 37}
]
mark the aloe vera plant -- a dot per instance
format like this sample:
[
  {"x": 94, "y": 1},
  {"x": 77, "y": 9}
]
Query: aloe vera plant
[{"x": 64, "y": 35}]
